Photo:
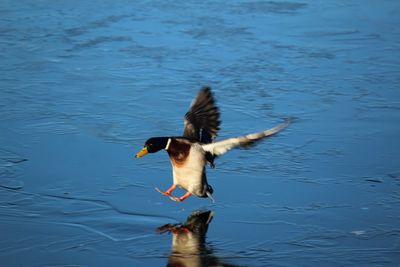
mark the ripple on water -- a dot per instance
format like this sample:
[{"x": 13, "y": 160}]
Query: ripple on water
[
  {"x": 92, "y": 215},
  {"x": 10, "y": 170}
]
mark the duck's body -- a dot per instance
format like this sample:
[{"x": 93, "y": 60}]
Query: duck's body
[
  {"x": 188, "y": 166},
  {"x": 190, "y": 153},
  {"x": 188, "y": 160}
]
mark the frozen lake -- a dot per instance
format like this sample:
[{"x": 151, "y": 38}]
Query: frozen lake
[{"x": 82, "y": 86}]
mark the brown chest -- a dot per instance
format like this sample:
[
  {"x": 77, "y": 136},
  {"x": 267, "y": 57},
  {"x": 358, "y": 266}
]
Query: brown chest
[{"x": 178, "y": 152}]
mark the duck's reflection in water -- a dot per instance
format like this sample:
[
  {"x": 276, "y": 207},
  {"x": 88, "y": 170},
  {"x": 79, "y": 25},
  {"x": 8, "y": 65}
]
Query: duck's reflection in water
[{"x": 188, "y": 242}]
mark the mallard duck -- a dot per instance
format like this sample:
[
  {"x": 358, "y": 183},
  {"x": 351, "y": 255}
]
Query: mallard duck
[{"x": 190, "y": 153}]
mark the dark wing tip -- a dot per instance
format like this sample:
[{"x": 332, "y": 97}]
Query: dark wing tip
[
  {"x": 202, "y": 120},
  {"x": 206, "y": 89}
]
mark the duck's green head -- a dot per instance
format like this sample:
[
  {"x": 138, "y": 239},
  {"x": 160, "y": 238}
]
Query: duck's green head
[{"x": 153, "y": 145}]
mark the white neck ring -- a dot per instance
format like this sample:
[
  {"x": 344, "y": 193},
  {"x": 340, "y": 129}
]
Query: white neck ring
[{"x": 168, "y": 143}]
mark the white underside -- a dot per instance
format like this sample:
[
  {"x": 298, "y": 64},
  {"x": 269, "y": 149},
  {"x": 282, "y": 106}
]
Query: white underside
[{"x": 191, "y": 176}]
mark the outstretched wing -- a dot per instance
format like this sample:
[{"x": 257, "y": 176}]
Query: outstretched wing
[
  {"x": 221, "y": 147},
  {"x": 202, "y": 120}
]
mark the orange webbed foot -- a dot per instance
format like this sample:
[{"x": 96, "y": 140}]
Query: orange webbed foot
[
  {"x": 168, "y": 194},
  {"x": 185, "y": 196}
]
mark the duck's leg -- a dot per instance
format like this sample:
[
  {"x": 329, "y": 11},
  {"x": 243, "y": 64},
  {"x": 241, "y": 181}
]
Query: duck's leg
[
  {"x": 182, "y": 198},
  {"x": 168, "y": 192}
]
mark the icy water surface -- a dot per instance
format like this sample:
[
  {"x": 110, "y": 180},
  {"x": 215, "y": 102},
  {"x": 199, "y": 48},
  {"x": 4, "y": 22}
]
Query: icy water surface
[{"x": 83, "y": 85}]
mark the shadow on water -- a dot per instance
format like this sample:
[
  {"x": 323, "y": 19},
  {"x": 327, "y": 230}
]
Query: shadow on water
[{"x": 189, "y": 246}]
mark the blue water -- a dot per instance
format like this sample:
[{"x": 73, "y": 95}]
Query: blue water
[{"x": 83, "y": 85}]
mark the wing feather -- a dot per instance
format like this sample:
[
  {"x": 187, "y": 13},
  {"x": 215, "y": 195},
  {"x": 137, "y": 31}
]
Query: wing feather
[
  {"x": 221, "y": 147},
  {"x": 202, "y": 120}
]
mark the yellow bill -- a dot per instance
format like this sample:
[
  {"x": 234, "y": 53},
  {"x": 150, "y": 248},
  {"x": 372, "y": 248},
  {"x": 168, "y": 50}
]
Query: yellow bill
[{"x": 142, "y": 152}]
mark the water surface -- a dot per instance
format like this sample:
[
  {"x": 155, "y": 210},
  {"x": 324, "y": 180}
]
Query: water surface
[{"x": 83, "y": 86}]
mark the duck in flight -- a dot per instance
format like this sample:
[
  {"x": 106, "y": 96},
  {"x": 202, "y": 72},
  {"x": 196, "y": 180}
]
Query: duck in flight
[{"x": 190, "y": 153}]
